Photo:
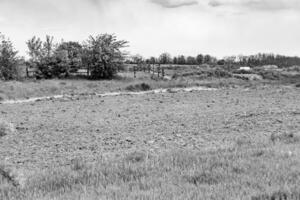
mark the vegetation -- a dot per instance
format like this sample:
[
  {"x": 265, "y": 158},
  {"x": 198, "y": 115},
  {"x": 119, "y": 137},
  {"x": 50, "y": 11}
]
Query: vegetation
[
  {"x": 5, "y": 128},
  {"x": 101, "y": 55},
  {"x": 227, "y": 174},
  {"x": 8, "y": 59}
]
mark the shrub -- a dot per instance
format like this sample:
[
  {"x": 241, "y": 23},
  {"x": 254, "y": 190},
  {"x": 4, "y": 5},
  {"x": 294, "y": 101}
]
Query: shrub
[
  {"x": 270, "y": 75},
  {"x": 139, "y": 87}
]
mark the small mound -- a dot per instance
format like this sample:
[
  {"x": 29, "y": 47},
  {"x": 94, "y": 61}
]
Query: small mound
[
  {"x": 139, "y": 87},
  {"x": 6, "y": 128}
]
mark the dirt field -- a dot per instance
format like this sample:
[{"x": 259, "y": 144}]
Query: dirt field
[{"x": 259, "y": 125}]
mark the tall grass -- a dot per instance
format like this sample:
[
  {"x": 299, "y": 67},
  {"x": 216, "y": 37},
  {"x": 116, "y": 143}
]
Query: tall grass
[{"x": 230, "y": 174}]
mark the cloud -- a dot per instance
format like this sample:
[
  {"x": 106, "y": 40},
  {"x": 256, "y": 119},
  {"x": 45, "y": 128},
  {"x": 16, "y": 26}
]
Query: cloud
[
  {"x": 174, "y": 3},
  {"x": 264, "y": 5}
]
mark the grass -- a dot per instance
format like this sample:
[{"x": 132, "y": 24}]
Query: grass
[
  {"x": 236, "y": 173},
  {"x": 182, "y": 76},
  {"x": 6, "y": 128},
  {"x": 26, "y": 89}
]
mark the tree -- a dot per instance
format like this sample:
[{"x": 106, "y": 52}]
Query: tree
[
  {"x": 207, "y": 59},
  {"x": 175, "y": 60},
  {"x": 153, "y": 60},
  {"x": 70, "y": 53},
  {"x": 181, "y": 60},
  {"x": 165, "y": 58},
  {"x": 137, "y": 59},
  {"x": 190, "y": 60},
  {"x": 35, "y": 48},
  {"x": 200, "y": 59},
  {"x": 8, "y": 59},
  {"x": 105, "y": 55},
  {"x": 48, "y": 46},
  {"x": 43, "y": 56}
]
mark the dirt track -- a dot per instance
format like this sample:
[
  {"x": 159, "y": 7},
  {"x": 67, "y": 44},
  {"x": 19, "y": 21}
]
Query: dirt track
[{"x": 52, "y": 133}]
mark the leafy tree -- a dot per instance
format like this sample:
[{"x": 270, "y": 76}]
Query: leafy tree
[
  {"x": 35, "y": 48},
  {"x": 200, "y": 59},
  {"x": 137, "y": 59},
  {"x": 165, "y": 58},
  {"x": 181, "y": 60},
  {"x": 207, "y": 59},
  {"x": 8, "y": 59},
  {"x": 175, "y": 60},
  {"x": 153, "y": 60},
  {"x": 104, "y": 52},
  {"x": 70, "y": 53},
  {"x": 42, "y": 56},
  {"x": 190, "y": 60}
]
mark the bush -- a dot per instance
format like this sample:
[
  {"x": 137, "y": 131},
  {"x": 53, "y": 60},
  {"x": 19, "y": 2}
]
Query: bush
[
  {"x": 139, "y": 87},
  {"x": 270, "y": 75}
]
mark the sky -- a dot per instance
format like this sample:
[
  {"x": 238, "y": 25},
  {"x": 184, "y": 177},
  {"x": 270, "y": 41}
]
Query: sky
[{"x": 188, "y": 27}]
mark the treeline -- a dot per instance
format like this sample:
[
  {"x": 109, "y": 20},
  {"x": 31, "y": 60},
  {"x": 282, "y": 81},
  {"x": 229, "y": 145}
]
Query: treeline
[
  {"x": 252, "y": 60},
  {"x": 100, "y": 55},
  {"x": 166, "y": 58}
]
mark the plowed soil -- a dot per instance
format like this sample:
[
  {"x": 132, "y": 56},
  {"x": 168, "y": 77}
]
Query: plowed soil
[{"x": 52, "y": 133}]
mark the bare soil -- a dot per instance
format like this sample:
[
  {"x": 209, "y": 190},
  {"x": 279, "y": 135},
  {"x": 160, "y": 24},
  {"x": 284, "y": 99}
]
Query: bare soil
[{"x": 53, "y": 133}]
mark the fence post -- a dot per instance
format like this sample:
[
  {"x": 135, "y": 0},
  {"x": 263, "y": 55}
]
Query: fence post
[
  {"x": 27, "y": 73},
  {"x": 158, "y": 71},
  {"x": 134, "y": 71},
  {"x": 153, "y": 71},
  {"x": 163, "y": 72}
]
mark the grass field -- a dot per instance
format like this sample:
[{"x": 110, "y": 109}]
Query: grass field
[
  {"x": 232, "y": 143},
  {"x": 124, "y": 81}
]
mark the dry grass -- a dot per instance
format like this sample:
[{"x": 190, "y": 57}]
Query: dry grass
[
  {"x": 6, "y": 128},
  {"x": 27, "y": 89}
]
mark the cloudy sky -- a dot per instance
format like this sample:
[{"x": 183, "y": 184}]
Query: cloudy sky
[{"x": 189, "y": 27}]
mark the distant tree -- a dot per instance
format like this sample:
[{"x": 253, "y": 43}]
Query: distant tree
[
  {"x": 175, "y": 60},
  {"x": 137, "y": 59},
  {"x": 207, "y": 59},
  {"x": 200, "y": 59},
  {"x": 181, "y": 60},
  {"x": 153, "y": 60},
  {"x": 221, "y": 62},
  {"x": 165, "y": 58},
  {"x": 190, "y": 60},
  {"x": 8, "y": 59},
  {"x": 104, "y": 52}
]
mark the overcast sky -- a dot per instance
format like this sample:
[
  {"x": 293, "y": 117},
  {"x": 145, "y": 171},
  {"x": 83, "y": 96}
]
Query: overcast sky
[{"x": 189, "y": 27}]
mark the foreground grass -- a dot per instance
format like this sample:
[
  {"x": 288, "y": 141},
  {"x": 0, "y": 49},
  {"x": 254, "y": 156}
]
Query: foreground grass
[{"x": 235, "y": 173}]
